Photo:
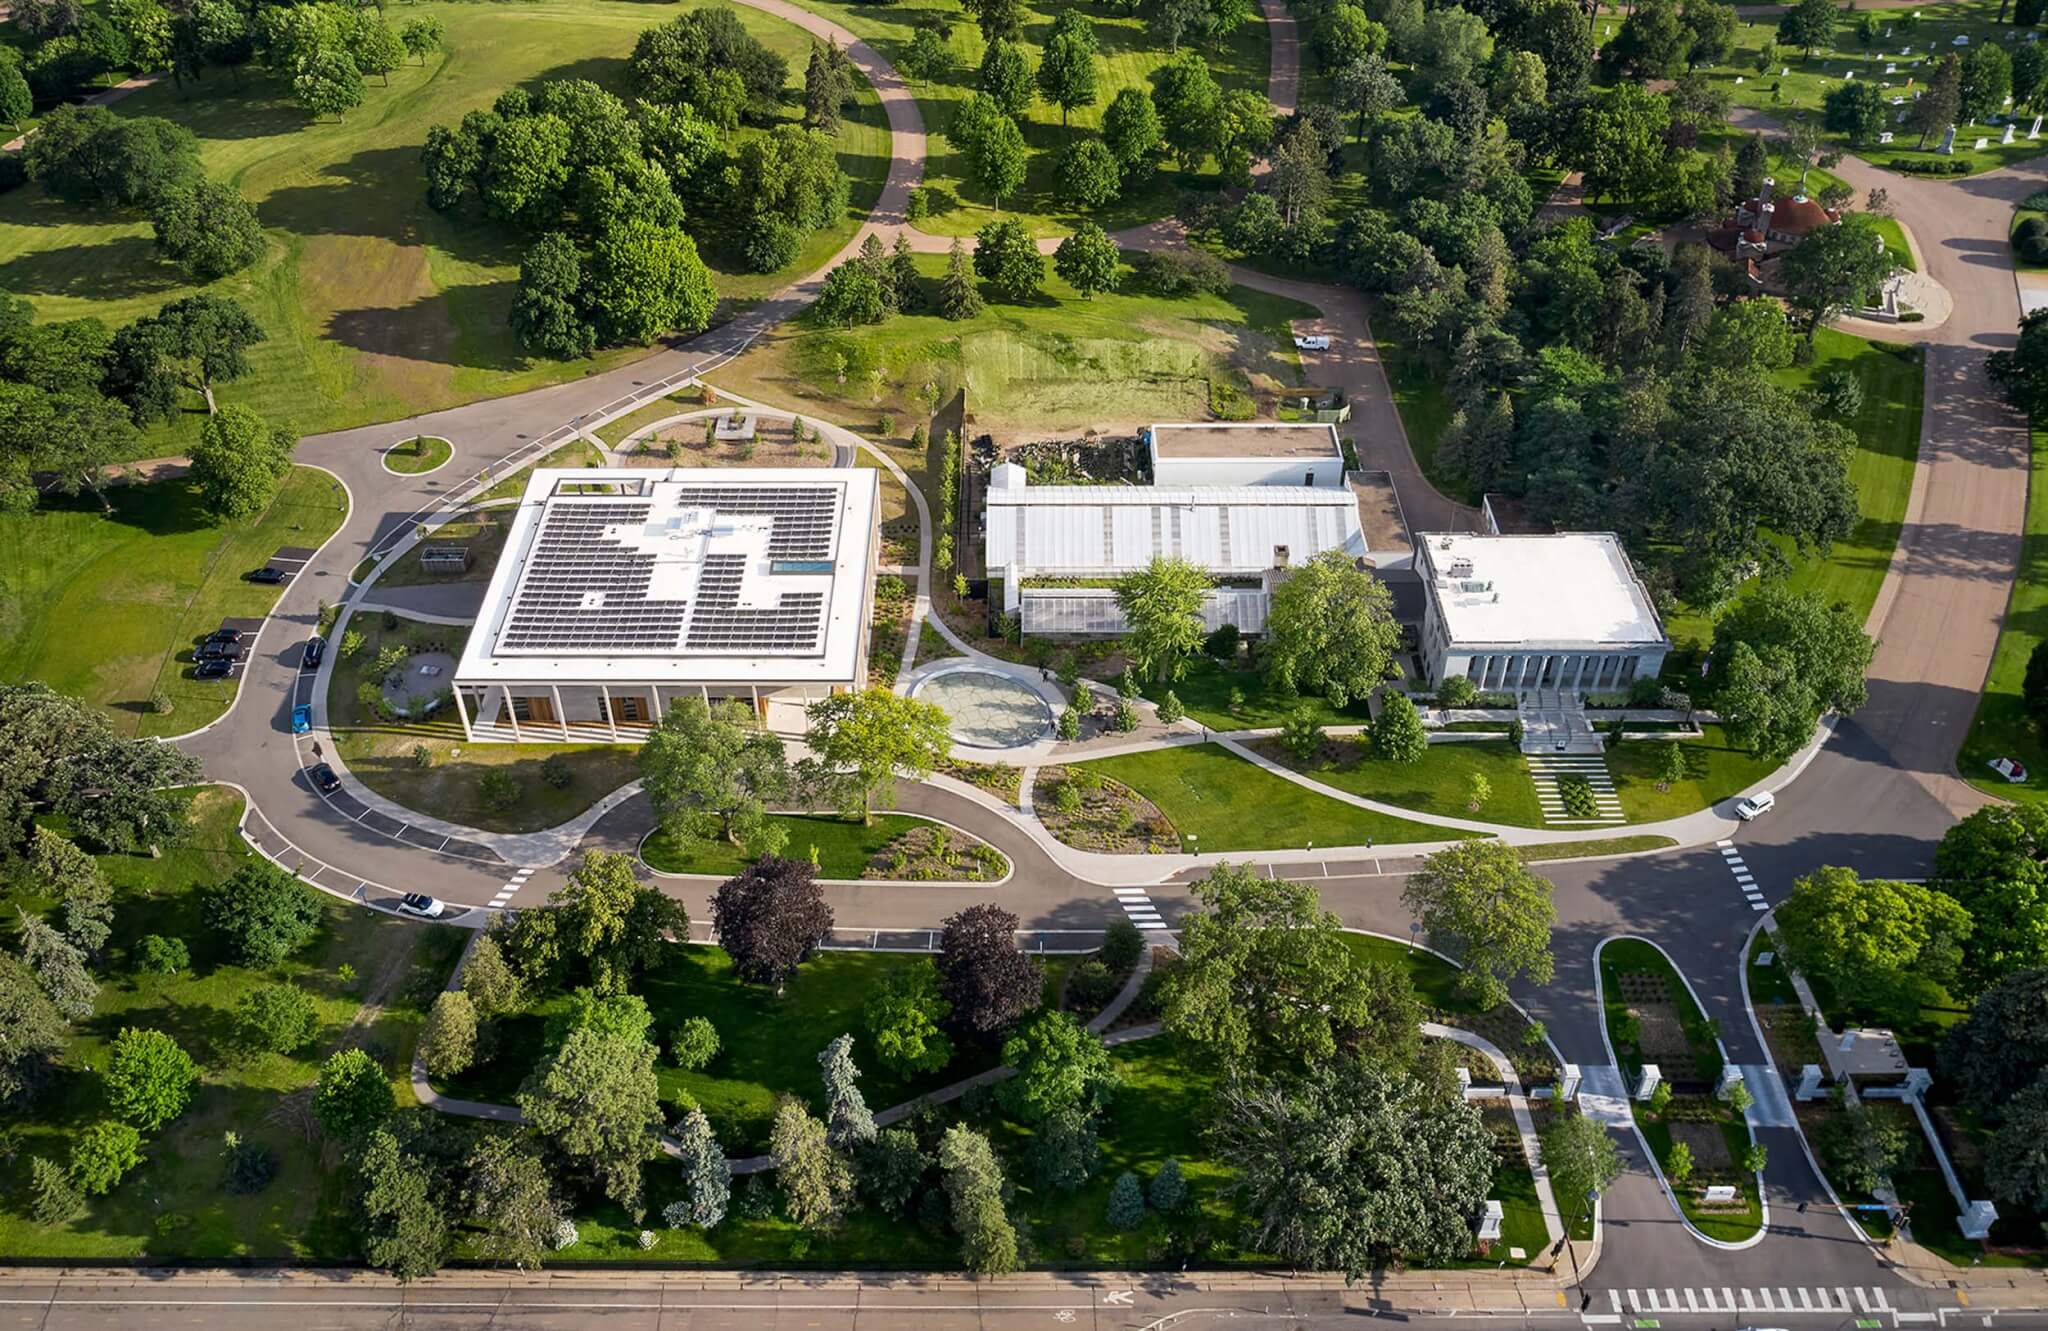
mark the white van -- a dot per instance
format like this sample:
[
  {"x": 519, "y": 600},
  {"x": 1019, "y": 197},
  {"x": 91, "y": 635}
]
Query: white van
[{"x": 1751, "y": 806}]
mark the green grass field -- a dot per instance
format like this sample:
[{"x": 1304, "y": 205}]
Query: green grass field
[
  {"x": 418, "y": 455},
  {"x": 1126, "y": 56},
  {"x": 1206, "y": 688},
  {"x": 2002, "y": 728},
  {"x": 1715, "y": 769},
  {"x": 1219, "y": 802},
  {"x": 1438, "y": 784},
  {"x": 174, "y": 1204},
  {"x": 109, "y": 607},
  {"x": 1781, "y": 93},
  {"x": 844, "y": 847},
  {"x": 1052, "y": 363},
  {"x": 377, "y": 306}
]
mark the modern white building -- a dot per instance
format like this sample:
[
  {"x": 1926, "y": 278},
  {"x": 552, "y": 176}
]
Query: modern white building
[
  {"x": 1516, "y": 613},
  {"x": 1066, "y": 537},
  {"x": 621, "y": 590},
  {"x": 1236, "y": 454}
]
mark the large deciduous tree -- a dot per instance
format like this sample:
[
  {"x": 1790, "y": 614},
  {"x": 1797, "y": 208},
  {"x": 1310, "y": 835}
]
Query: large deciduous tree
[
  {"x": 1088, "y": 260},
  {"x": 1887, "y": 943},
  {"x": 1836, "y": 269},
  {"x": 1351, "y": 1166},
  {"x": 1490, "y": 912},
  {"x": 1995, "y": 862},
  {"x": 353, "y": 1096},
  {"x": 263, "y": 913},
  {"x": 399, "y": 1199},
  {"x": 149, "y": 1078},
  {"x": 508, "y": 1195},
  {"x": 1162, "y": 608},
  {"x": 905, "y": 1020},
  {"x": 2022, "y": 372},
  {"x": 1007, "y": 258},
  {"x": 61, "y": 756},
  {"x": 1581, "y": 1158},
  {"x": 597, "y": 1099},
  {"x": 615, "y": 922},
  {"x": 1330, "y": 630},
  {"x": 239, "y": 461},
  {"x": 860, "y": 742},
  {"x": 645, "y": 281},
  {"x": 208, "y": 229},
  {"x": 710, "y": 771},
  {"x": 2001, "y": 1048},
  {"x": 770, "y": 919},
  {"x": 1266, "y": 978},
  {"x": 1061, "y": 1066},
  {"x": 1781, "y": 659},
  {"x": 816, "y": 1183},
  {"x": 988, "y": 982}
]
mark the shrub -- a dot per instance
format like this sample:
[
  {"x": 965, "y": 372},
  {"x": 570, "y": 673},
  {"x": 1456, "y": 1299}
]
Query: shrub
[
  {"x": 1577, "y": 794},
  {"x": 2031, "y": 229},
  {"x": 498, "y": 791},
  {"x": 565, "y": 1235},
  {"x": 1066, "y": 798},
  {"x": 1180, "y": 272},
  {"x": 1170, "y": 710},
  {"x": 422, "y": 756},
  {"x": 694, "y": 1044},
  {"x": 1122, "y": 945},
  {"x": 1125, "y": 718},
  {"x": 1091, "y": 985},
  {"x": 1069, "y": 727},
  {"x": 1236, "y": 703},
  {"x": 1456, "y": 691},
  {"x": 247, "y": 1168},
  {"x": 555, "y": 772},
  {"x": 102, "y": 1154},
  {"x": 162, "y": 956},
  {"x": 160, "y": 703},
  {"x": 2034, "y": 250},
  {"x": 1222, "y": 644}
]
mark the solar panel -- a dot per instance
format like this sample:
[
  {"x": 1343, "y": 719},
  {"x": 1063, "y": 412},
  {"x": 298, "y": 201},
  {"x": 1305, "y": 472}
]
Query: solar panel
[{"x": 611, "y": 577}]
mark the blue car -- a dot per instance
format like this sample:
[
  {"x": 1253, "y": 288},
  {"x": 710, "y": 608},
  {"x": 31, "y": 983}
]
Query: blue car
[{"x": 302, "y": 718}]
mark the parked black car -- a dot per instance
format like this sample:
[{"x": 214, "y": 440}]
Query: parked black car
[
  {"x": 224, "y": 635},
  {"x": 315, "y": 649},
  {"x": 218, "y": 667},
  {"x": 268, "y": 574},
  {"x": 323, "y": 778},
  {"x": 219, "y": 651}
]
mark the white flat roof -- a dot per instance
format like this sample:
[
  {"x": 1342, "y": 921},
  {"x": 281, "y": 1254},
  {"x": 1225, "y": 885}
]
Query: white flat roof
[
  {"x": 1571, "y": 588},
  {"x": 688, "y": 575},
  {"x": 1087, "y": 530}
]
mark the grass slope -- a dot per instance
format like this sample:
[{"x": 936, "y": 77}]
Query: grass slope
[
  {"x": 1054, "y": 362},
  {"x": 844, "y": 848},
  {"x": 1438, "y": 784},
  {"x": 110, "y": 606},
  {"x": 377, "y": 306},
  {"x": 1219, "y": 802}
]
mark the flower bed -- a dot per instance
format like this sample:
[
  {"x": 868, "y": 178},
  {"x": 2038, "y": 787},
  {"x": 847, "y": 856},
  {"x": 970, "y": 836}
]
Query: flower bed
[{"x": 1089, "y": 811}]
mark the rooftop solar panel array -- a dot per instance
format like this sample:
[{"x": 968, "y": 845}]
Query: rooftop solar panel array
[
  {"x": 806, "y": 516},
  {"x": 721, "y": 625},
  {"x": 587, "y": 592},
  {"x": 570, "y": 559}
]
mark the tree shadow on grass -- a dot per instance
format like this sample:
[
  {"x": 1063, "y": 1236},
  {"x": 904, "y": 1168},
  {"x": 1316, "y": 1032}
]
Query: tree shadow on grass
[
  {"x": 114, "y": 270},
  {"x": 421, "y": 330}
]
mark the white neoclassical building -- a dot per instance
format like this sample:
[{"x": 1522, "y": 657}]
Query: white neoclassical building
[
  {"x": 621, "y": 590},
  {"x": 1517, "y": 613}
]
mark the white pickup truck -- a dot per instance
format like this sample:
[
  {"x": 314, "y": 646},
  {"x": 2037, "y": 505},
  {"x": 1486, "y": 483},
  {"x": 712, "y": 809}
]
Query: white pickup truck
[{"x": 1317, "y": 342}]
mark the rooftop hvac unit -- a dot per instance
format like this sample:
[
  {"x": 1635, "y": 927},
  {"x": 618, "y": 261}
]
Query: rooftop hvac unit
[{"x": 1461, "y": 568}]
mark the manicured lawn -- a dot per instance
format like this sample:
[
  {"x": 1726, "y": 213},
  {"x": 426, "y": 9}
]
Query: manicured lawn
[
  {"x": 377, "y": 306},
  {"x": 1056, "y": 362},
  {"x": 2002, "y": 728},
  {"x": 1438, "y": 784},
  {"x": 1887, "y": 434},
  {"x": 1206, "y": 688},
  {"x": 1715, "y": 769},
  {"x": 385, "y": 755},
  {"x": 1126, "y": 56},
  {"x": 1802, "y": 89},
  {"x": 109, "y": 607},
  {"x": 1219, "y": 802},
  {"x": 174, "y": 1205},
  {"x": 674, "y": 404},
  {"x": 1568, "y": 850},
  {"x": 422, "y": 453}
]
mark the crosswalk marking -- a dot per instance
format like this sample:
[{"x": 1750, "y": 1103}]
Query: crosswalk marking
[
  {"x": 512, "y": 886},
  {"x": 1745, "y": 881},
  {"x": 1138, "y": 906},
  {"x": 1728, "y": 1299}
]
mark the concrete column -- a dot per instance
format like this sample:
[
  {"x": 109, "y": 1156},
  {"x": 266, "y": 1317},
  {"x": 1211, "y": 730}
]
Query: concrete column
[
  {"x": 561, "y": 715},
  {"x": 1567, "y": 1082},
  {"x": 1809, "y": 1083},
  {"x": 463, "y": 712},
  {"x": 654, "y": 692},
  {"x": 506, "y": 691},
  {"x": 1646, "y": 1081},
  {"x": 611, "y": 718}
]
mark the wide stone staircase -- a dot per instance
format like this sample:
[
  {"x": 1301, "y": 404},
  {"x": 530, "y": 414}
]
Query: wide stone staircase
[{"x": 1554, "y": 722}]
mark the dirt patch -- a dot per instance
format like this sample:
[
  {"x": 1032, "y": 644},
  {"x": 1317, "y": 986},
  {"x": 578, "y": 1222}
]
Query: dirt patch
[
  {"x": 1088, "y": 811},
  {"x": 1709, "y": 1146},
  {"x": 1662, "y": 1034}
]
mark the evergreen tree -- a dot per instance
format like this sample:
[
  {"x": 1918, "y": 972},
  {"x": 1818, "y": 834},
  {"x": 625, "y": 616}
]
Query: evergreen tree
[
  {"x": 1126, "y": 1202},
  {"x": 59, "y": 967},
  {"x": 53, "y": 1198},
  {"x": 849, "y": 1124},
  {"x": 959, "y": 297},
  {"x": 974, "y": 1184},
  {"x": 707, "y": 1175},
  {"x": 1397, "y": 733},
  {"x": 1169, "y": 1188},
  {"x": 816, "y": 1184}
]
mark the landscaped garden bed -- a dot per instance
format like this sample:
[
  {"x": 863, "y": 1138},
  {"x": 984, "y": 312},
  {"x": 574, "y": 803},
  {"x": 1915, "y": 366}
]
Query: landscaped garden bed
[
  {"x": 429, "y": 766},
  {"x": 997, "y": 779},
  {"x": 891, "y": 627},
  {"x": 888, "y": 846},
  {"x": 689, "y": 443},
  {"x": 1699, "y": 1141},
  {"x": 1089, "y": 811}
]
